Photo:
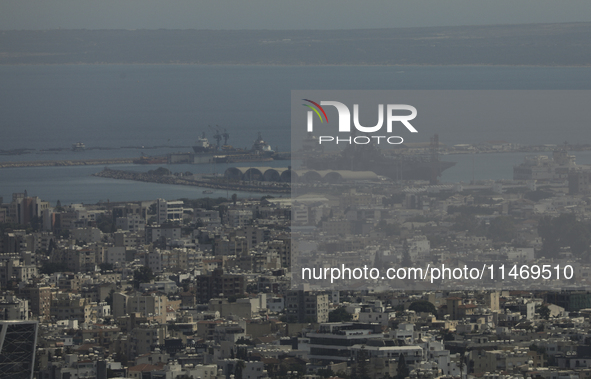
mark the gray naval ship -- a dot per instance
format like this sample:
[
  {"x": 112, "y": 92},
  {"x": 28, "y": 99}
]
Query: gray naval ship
[{"x": 369, "y": 157}]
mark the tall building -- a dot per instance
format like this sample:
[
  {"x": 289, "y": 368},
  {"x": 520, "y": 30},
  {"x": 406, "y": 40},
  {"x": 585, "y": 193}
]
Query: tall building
[
  {"x": 25, "y": 210},
  {"x": 67, "y": 306},
  {"x": 218, "y": 284},
  {"x": 39, "y": 301},
  {"x": 334, "y": 342},
  {"x": 579, "y": 182},
  {"x": 131, "y": 223},
  {"x": 162, "y": 232},
  {"x": 238, "y": 217},
  {"x": 169, "y": 210},
  {"x": 130, "y": 209},
  {"x": 17, "y": 349},
  {"x": 151, "y": 306},
  {"x": 571, "y": 301},
  {"x": 303, "y": 306}
]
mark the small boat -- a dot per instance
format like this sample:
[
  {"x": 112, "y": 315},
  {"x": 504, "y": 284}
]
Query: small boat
[
  {"x": 207, "y": 191},
  {"x": 78, "y": 146}
]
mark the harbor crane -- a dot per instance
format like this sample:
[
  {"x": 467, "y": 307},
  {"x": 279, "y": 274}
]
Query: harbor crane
[{"x": 217, "y": 136}]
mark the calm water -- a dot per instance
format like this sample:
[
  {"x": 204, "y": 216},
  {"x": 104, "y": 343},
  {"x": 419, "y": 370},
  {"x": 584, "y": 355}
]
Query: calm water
[
  {"x": 76, "y": 184},
  {"x": 43, "y": 107}
]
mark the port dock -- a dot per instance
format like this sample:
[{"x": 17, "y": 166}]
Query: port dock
[{"x": 81, "y": 162}]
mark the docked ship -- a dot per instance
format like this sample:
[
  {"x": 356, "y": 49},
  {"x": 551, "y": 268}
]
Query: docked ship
[
  {"x": 78, "y": 146},
  {"x": 203, "y": 146},
  {"x": 260, "y": 151},
  {"x": 370, "y": 158},
  {"x": 205, "y": 152},
  {"x": 545, "y": 168},
  {"x": 260, "y": 147}
]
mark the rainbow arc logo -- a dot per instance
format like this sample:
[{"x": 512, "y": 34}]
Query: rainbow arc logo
[{"x": 316, "y": 110}]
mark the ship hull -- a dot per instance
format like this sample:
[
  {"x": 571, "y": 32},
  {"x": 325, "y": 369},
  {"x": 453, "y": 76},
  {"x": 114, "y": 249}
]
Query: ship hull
[{"x": 405, "y": 167}]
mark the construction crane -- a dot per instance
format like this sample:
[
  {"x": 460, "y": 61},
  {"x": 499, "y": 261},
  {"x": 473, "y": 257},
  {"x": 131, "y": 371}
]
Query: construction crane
[{"x": 217, "y": 136}]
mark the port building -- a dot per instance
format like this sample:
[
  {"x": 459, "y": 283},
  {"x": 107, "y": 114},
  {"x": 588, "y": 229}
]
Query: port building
[{"x": 286, "y": 175}]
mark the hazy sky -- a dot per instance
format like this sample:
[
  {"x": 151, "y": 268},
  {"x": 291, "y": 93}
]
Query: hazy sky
[{"x": 282, "y": 14}]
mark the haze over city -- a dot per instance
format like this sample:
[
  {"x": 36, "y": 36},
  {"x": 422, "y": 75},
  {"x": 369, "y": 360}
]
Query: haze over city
[
  {"x": 269, "y": 14},
  {"x": 157, "y": 220}
]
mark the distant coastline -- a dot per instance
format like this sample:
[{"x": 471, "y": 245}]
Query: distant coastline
[
  {"x": 302, "y": 65},
  {"x": 528, "y": 45}
]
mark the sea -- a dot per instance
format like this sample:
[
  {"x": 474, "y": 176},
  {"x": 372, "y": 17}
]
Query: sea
[{"x": 129, "y": 110}]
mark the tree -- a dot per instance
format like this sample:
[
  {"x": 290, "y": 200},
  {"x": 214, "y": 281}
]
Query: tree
[
  {"x": 109, "y": 298},
  {"x": 406, "y": 258},
  {"x": 388, "y": 228},
  {"x": 106, "y": 267},
  {"x": 160, "y": 171},
  {"x": 234, "y": 198},
  {"x": 339, "y": 315},
  {"x": 64, "y": 234},
  {"x": 105, "y": 223},
  {"x": 143, "y": 274},
  {"x": 544, "y": 312},
  {"x": 422, "y": 306},
  {"x": 238, "y": 370},
  {"x": 564, "y": 231},
  {"x": 362, "y": 371},
  {"x": 537, "y": 195},
  {"x": 121, "y": 358},
  {"x": 49, "y": 268},
  {"x": 241, "y": 352},
  {"x": 448, "y": 335},
  {"x": 402, "y": 371},
  {"x": 52, "y": 246},
  {"x": 58, "y": 207},
  {"x": 467, "y": 222},
  {"x": 501, "y": 229},
  {"x": 462, "y": 362}
]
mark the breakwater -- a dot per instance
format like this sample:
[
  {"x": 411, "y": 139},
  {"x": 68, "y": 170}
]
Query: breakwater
[
  {"x": 217, "y": 183},
  {"x": 82, "y": 162}
]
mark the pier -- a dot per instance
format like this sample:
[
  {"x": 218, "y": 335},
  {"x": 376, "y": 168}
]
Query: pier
[
  {"x": 82, "y": 162},
  {"x": 220, "y": 184}
]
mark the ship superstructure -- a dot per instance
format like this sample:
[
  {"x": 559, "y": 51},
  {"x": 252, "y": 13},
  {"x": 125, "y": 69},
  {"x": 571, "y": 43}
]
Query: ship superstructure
[
  {"x": 203, "y": 146},
  {"x": 206, "y": 152}
]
